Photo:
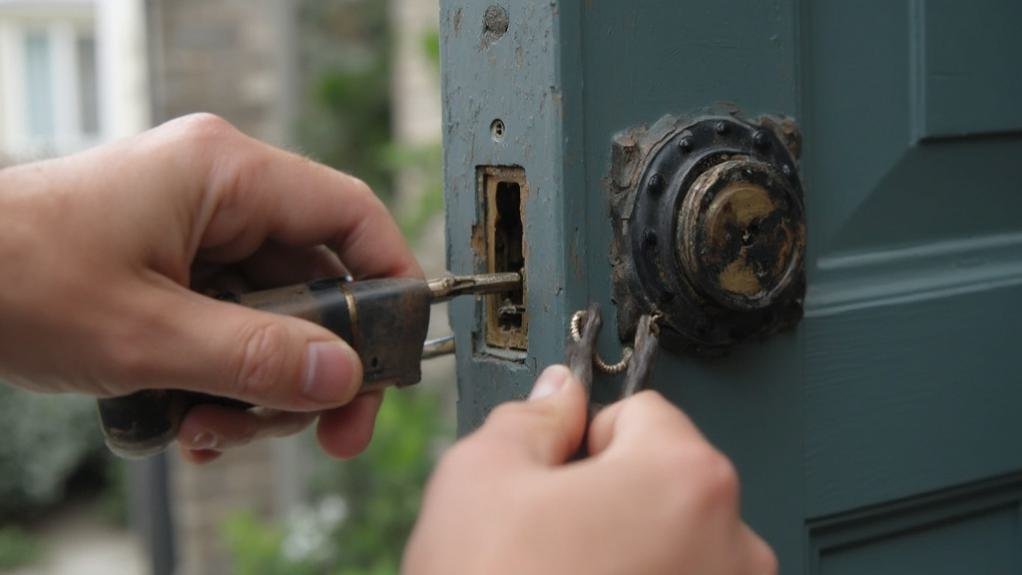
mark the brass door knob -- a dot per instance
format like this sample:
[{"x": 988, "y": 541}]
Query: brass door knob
[
  {"x": 741, "y": 234},
  {"x": 709, "y": 229}
]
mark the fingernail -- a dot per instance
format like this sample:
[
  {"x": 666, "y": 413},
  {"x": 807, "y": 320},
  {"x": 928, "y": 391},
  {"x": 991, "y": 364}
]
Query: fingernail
[
  {"x": 329, "y": 372},
  {"x": 550, "y": 382},
  {"x": 204, "y": 440}
]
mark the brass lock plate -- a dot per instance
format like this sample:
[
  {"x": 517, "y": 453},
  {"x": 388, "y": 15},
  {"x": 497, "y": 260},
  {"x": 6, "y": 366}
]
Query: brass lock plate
[{"x": 709, "y": 229}]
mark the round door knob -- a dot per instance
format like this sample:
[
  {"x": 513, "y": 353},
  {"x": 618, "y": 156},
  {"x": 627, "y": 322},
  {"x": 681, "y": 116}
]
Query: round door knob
[
  {"x": 740, "y": 234},
  {"x": 709, "y": 229}
]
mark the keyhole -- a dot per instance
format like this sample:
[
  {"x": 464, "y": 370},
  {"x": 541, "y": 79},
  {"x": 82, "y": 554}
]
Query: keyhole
[
  {"x": 750, "y": 233},
  {"x": 497, "y": 130}
]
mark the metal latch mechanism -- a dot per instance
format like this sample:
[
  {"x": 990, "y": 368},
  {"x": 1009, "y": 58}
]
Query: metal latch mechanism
[{"x": 709, "y": 229}]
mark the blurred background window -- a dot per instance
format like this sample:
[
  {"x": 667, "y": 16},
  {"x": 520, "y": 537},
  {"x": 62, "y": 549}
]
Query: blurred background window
[
  {"x": 39, "y": 86},
  {"x": 49, "y": 77}
]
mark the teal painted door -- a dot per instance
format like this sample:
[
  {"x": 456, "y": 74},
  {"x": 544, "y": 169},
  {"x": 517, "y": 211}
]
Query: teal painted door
[{"x": 883, "y": 434}]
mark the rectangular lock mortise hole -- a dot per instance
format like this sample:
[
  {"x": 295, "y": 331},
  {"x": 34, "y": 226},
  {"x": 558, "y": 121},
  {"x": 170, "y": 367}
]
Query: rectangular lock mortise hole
[{"x": 504, "y": 190}]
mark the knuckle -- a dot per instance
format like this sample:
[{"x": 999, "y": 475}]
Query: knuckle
[
  {"x": 698, "y": 474},
  {"x": 649, "y": 401},
  {"x": 202, "y": 128},
  {"x": 765, "y": 560},
  {"x": 260, "y": 361},
  {"x": 199, "y": 141},
  {"x": 718, "y": 480},
  {"x": 359, "y": 187}
]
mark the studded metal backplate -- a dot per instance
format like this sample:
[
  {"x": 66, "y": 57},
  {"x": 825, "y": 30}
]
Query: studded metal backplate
[{"x": 709, "y": 229}]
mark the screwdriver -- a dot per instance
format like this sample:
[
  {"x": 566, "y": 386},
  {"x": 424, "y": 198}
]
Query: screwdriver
[{"x": 384, "y": 320}]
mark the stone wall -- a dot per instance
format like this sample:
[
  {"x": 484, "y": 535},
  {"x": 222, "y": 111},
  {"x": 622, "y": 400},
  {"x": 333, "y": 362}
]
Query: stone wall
[{"x": 233, "y": 58}]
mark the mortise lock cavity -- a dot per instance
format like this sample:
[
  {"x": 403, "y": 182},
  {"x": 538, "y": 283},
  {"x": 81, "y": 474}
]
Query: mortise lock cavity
[
  {"x": 709, "y": 229},
  {"x": 503, "y": 191}
]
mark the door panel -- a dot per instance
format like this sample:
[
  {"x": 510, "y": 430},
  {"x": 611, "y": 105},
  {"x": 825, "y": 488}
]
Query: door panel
[
  {"x": 881, "y": 435},
  {"x": 967, "y": 67},
  {"x": 908, "y": 397},
  {"x": 976, "y": 529},
  {"x": 877, "y": 76}
]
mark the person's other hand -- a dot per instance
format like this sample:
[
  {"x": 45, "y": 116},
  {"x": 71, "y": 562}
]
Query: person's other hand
[
  {"x": 103, "y": 254},
  {"x": 652, "y": 497}
]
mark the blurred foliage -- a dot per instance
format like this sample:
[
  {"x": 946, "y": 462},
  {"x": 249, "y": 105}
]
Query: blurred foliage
[
  {"x": 257, "y": 548},
  {"x": 346, "y": 118},
  {"x": 46, "y": 439},
  {"x": 17, "y": 548},
  {"x": 113, "y": 501},
  {"x": 362, "y": 510},
  {"x": 427, "y": 162},
  {"x": 431, "y": 47},
  {"x": 365, "y": 508},
  {"x": 383, "y": 487}
]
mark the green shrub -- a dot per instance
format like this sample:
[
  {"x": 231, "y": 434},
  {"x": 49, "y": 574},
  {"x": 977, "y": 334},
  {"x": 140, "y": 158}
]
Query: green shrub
[
  {"x": 17, "y": 548},
  {"x": 45, "y": 439},
  {"x": 365, "y": 508},
  {"x": 383, "y": 487},
  {"x": 257, "y": 548}
]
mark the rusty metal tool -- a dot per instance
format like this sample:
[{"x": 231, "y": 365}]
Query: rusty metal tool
[
  {"x": 581, "y": 356},
  {"x": 637, "y": 361},
  {"x": 644, "y": 349},
  {"x": 384, "y": 320}
]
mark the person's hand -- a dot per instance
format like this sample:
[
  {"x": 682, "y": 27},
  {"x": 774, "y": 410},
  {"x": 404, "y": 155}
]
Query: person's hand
[
  {"x": 102, "y": 255},
  {"x": 652, "y": 497}
]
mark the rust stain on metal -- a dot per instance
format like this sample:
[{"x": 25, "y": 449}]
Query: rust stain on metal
[
  {"x": 478, "y": 241},
  {"x": 787, "y": 130}
]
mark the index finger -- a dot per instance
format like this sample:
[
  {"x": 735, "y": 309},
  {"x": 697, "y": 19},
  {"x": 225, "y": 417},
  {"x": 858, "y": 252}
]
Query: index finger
[
  {"x": 259, "y": 192},
  {"x": 310, "y": 203}
]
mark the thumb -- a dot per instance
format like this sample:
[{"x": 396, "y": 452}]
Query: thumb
[
  {"x": 548, "y": 427},
  {"x": 266, "y": 359}
]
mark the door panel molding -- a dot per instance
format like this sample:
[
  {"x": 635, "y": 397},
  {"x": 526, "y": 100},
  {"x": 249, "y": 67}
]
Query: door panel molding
[
  {"x": 974, "y": 528},
  {"x": 857, "y": 281}
]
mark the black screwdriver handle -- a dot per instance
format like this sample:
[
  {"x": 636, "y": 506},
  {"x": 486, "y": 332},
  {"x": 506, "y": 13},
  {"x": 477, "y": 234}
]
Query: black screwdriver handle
[{"x": 384, "y": 320}]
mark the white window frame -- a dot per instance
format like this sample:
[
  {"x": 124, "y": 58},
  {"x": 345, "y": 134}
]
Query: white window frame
[{"x": 122, "y": 99}]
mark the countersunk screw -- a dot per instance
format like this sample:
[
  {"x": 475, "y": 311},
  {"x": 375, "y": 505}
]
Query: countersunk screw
[
  {"x": 655, "y": 184},
  {"x": 685, "y": 143},
  {"x": 760, "y": 140},
  {"x": 720, "y": 127}
]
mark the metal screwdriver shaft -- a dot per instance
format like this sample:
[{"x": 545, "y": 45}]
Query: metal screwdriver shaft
[{"x": 451, "y": 286}]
